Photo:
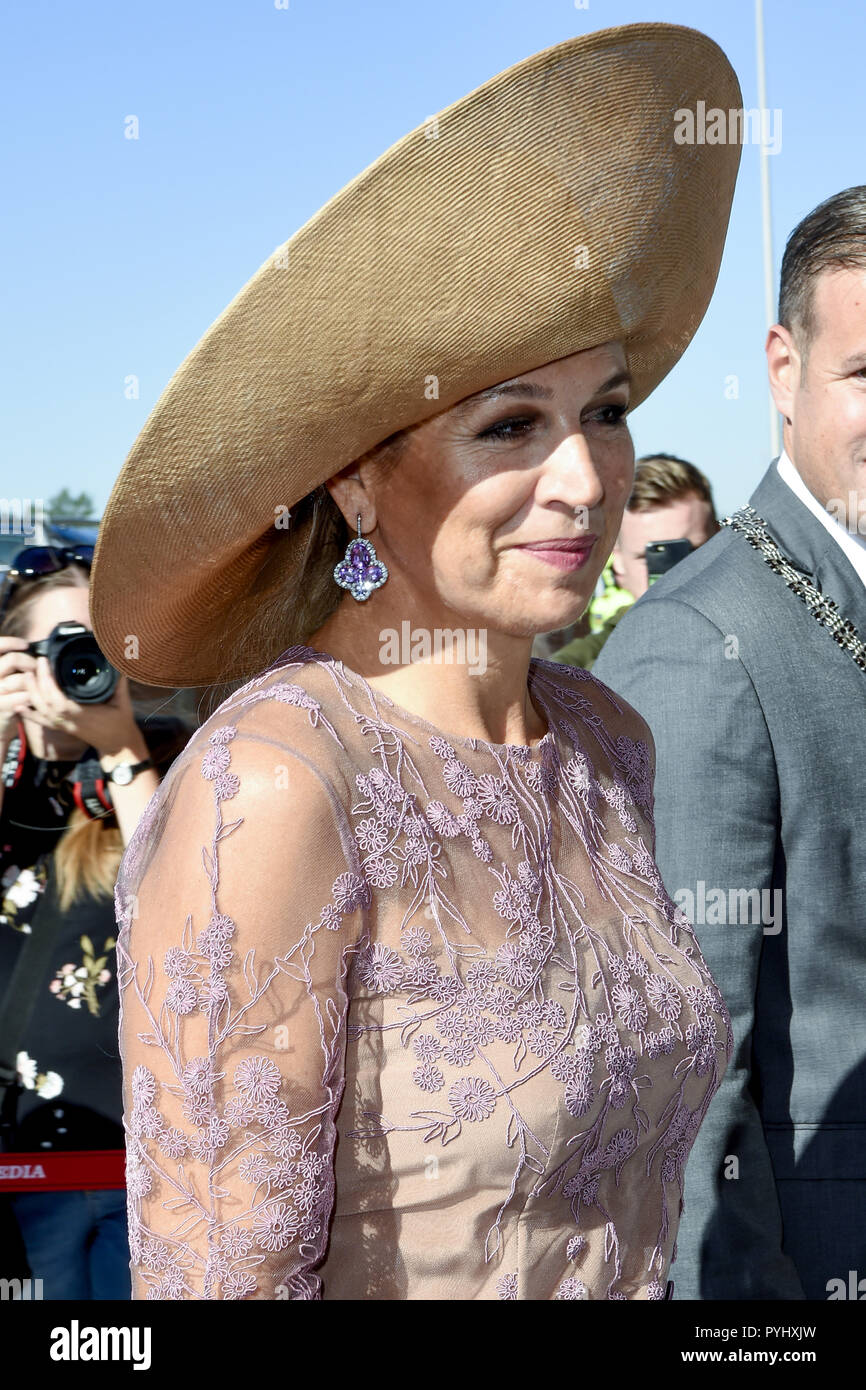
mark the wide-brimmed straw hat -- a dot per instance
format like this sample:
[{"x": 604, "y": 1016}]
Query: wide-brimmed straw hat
[{"x": 549, "y": 211}]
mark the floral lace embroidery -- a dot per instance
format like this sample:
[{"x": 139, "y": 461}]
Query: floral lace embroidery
[{"x": 554, "y": 992}]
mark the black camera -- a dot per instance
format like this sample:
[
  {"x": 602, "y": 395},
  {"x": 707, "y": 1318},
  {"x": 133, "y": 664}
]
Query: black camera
[{"x": 77, "y": 664}]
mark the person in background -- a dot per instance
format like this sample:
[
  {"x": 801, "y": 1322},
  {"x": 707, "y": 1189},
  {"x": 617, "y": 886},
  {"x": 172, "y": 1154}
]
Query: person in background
[
  {"x": 749, "y": 664},
  {"x": 56, "y": 860},
  {"x": 670, "y": 500}
]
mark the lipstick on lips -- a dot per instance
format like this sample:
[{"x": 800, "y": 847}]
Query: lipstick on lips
[{"x": 565, "y": 555}]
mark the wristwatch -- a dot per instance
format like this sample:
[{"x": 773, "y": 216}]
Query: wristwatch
[{"x": 124, "y": 772}]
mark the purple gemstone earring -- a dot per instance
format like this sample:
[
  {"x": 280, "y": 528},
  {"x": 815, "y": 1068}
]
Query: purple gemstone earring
[{"x": 360, "y": 571}]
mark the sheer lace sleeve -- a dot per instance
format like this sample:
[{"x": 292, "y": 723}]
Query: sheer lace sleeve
[{"x": 239, "y": 905}]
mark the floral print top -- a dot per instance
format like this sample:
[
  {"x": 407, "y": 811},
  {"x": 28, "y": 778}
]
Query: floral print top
[
  {"x": 406, "y": 1015},
  {"x": 68, "y": 1049}
]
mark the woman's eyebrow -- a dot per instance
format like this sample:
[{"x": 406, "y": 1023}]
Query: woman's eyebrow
[
  {"x": 532, "y": 389},
  {"x": 619, "y": 378},
  {"x": 504, "y": 388}
]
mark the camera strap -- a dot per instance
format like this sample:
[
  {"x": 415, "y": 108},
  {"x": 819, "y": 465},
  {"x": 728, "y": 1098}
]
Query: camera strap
[
  {"x": 90, "y": 788},
  {"x": 86, "y": 786},
  {"x": 16, "y": 752}
]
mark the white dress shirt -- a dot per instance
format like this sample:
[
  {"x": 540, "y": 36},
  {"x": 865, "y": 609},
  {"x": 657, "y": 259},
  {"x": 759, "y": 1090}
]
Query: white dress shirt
[{"x": 853, "y": 544}]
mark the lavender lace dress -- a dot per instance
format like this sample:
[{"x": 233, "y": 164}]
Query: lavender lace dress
[{"x": 405, "y": 1015}]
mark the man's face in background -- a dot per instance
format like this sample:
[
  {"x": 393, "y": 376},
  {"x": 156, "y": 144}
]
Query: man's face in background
[
  {"x": 823, "y": 398},
  {"x": 688, "y": 518}
]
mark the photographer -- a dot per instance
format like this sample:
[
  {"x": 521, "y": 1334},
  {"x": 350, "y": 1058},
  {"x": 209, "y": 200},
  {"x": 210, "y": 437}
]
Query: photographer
[{"x": 64, "y": 824}]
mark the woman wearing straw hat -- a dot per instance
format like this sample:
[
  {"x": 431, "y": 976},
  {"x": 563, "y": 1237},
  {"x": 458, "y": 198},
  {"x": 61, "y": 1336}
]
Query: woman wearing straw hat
[{"x": 407, "y": 1012}]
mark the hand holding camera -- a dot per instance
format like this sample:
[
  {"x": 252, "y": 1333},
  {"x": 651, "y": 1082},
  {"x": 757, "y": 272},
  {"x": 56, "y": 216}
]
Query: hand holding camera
[
  {"x": 64, "y": 682},
  {"x": 16, "y": 665}
]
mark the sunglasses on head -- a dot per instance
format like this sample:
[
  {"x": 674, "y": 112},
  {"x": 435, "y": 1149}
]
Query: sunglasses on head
[{"x": 35, "y": 561}]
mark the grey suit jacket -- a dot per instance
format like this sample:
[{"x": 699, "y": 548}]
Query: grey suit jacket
[{"x": 759, "y": 721}]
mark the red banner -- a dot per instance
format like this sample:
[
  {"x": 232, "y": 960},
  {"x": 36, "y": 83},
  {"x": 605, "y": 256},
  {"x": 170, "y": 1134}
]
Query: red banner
[{"x": 75, "y": 1170}]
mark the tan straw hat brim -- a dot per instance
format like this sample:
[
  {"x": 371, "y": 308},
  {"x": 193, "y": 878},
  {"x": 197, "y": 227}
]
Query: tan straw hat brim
[{"x": 548, "y": 211}]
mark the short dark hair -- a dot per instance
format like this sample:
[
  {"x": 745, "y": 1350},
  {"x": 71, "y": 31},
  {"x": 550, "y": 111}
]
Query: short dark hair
[
  {"x": 660, "y": 479},
  {"x": 833, "y": 236}
]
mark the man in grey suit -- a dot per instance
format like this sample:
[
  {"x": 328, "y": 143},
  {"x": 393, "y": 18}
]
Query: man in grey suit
[{"x": 758, "y": 713}]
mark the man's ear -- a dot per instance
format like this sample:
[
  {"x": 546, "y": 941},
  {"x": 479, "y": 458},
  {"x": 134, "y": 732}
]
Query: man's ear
[{"x": 783, "y": 368}]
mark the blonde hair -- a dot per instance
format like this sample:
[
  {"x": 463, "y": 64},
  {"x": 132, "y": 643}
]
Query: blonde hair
[
  {"x": 663, "y": 478},
  {"x": 87, "y": 855}
]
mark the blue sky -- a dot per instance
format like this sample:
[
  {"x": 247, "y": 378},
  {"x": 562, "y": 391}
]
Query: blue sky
[{"x": 118, "y": 254}]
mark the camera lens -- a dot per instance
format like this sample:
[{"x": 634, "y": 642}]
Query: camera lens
[{"x": 83, "y": 673}]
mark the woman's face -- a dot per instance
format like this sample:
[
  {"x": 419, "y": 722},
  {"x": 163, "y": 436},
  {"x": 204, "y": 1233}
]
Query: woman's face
[
  {"x": 53, "y": 606},
  {"x": 546, "y": 456},
  {"x": 65, "y": 604}
]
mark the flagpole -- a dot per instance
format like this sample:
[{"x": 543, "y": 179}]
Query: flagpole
[{"x": 766, "y": 212}]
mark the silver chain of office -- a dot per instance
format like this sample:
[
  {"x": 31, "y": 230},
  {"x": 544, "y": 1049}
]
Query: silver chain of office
[{"x": 824, "y": 609}]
